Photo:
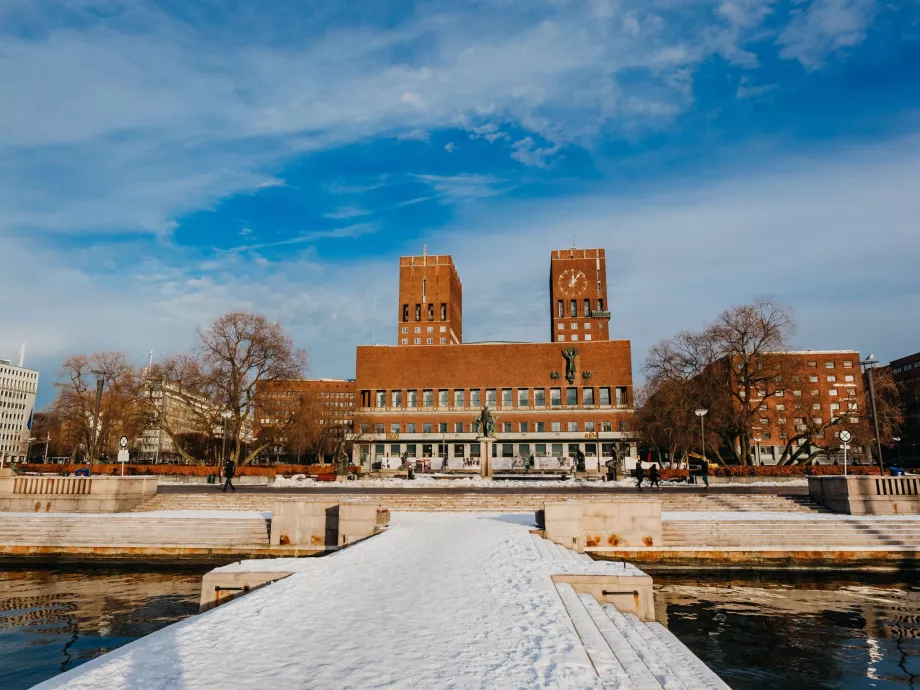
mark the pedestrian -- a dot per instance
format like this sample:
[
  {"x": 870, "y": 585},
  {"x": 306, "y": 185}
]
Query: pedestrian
[
  {"x": 653, "y": 477},
  {"x": 704, "y": 472},
  {"x": 640, "y": 475},
  {"x": 229, "y": 471}
]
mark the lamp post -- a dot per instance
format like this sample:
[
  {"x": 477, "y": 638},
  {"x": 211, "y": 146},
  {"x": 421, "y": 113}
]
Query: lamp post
[
  {"x": 29, "y": 448},
  {"x": 100, "y": 383},
  {"x": 867, "y": 365},
  {"x": 897, "y": 440},
  {"x": 702, "y": 413},
  {"x": 47, "y": 443}
]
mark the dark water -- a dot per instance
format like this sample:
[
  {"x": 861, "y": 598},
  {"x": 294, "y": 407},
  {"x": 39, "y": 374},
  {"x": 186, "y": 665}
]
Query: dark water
[
  {"x": 792, "y": 630},
  {"x": 53, "y": 620}
]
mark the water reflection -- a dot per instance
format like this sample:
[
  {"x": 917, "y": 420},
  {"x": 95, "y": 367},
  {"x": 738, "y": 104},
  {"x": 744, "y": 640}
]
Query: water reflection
[
  {"x": 795, "y": 630},
  {"x": 53, "y": 620}
]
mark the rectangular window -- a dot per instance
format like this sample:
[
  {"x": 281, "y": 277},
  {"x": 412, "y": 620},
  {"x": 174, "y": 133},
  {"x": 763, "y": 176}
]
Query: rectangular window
[
  {"x": 589, "y": 426},
  {"x": 458, "y": 450},
  {"x": 574, "y": 326},
  {"x": 560, "y": 326},
  {"x": 560, "y": 338},
  {"x": 832, "y": 379},
  {"x": 418, "y": 329},
  {"x": 816, "y": 406},
  {"x": 442, "y": 427},
  {"x": 556, "y": 426},
  {"x": 832, "y": 392},
  {"x": 573, "y": 426},
  {"x": 621, "y": 395},
  {"x": 378, "y": 429},
  {"x": 587, "y": 396},
  {"x": 540, "y": 427},
  {"x": 418, "y": 312},
  {"x": 848, "y": 378},
  {"x": 812, "y": 365},
  {"x": 812, "y": 379},
  {"x": 475, "y": 398},
  {"x": 443, "y": 398},
  {"x": 847, "y": 364},
  {"x": 555, "y": 397},
  {"x": 443, "y": 341},
  {"x": 430, "y": 329},
  {"x": 587, "y": 335},
  {"x": 524, "y": 450},
  {"x": 458, "y": 399},
  {"x": 412, "y": 398},
  {"x": 556, "y": 449},
  {"x": 491, "y": 399},
  {"x": 573, "y": 308},
  {"x": 396, "y": 397},
  {"x": 828, "y": 365},
  {"x": 427, "y": 398},
  {"x": 507, "y": 450},
  {"x": 381, "y": 400},
  {"x": 560, "y": 310},
  {"x": 405, "y": 329},
  {"x": 394, "y": 449},
  {"x": 587, "y": 308},
  {"x": 405, "y": 312},
  {"x": 506, "y": 427},
  {"x": 604, "y": 395},
  {"x": 458, "y": 427},
  {"x": 394, "y": 428},
  {"x": 571, "y": 397},
  {"x": 443, "y": 311},
  {"x": 364, "y": 428},
  {"x": 835, "y": 406},
  {"x": 507, "y": 397},
  {"x": 404, "y": 341},
  {"x": 523, "y": 428},
  {"x": 523, "y": 397},
  {"x": 780, "y": 407},
  {"x": 539, "y": 397},
  {"x": 418, "y": 341},
  {"x": 430, "y": 341},
  {"x": 574, "y": 337},
  {"x": 431, "y": 312},
  {"x": 426, "y": 428},
  {"x": 607, "y": 426}
]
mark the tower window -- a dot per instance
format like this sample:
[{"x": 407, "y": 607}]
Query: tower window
[
  {"x": 600, "y": 305},
  {"x": 443, "y": 311},
  {"x": 418, "y": 312},
  {"x": 431, "y": 312},
  {"x": 405, "y": 312},
  {"x": 560, "y": 309},
  {"x": 587, "y": 307},
  {"x": 573, "y": 308}
]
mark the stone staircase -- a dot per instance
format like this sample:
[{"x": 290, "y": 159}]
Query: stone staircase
[
  {"x": 823, "y": 534},
  {"x": 126, "y": 530},
  {"x": 478, "y": 501}
]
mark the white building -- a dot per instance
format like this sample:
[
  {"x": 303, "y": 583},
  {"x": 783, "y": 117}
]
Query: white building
[{"x": 18, "y": 386}]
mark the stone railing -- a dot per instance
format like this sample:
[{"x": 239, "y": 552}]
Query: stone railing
[
  {"x": 867, "y": 495},
  {"x": 74, "y": 494}
]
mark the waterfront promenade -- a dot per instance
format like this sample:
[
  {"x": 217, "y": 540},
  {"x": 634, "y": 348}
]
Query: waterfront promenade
[{"x": 438, "y": 601}]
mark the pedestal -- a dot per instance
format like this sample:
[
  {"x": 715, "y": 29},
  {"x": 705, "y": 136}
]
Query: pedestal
[{"x": 485, "y": 461}]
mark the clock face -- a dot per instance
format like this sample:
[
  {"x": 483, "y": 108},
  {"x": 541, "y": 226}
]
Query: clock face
[{"x": 572, "y": 282}]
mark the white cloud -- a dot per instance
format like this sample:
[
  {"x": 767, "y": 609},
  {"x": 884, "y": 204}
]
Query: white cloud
[
  {"x": 464, "y": 187},
  {"x": 346, "y": 212},
  {"x": 527, "y": 152},
  {"x": 824, "y": 28},
  {"x": 674, "y": 259},
  {"x": 748, "y": 90},
  {"x": 131, "y": 118},
  {"x": 450, "y": 146}
]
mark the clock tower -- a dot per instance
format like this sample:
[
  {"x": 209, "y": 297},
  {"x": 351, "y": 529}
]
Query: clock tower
[{"x": 578, "y": 295}]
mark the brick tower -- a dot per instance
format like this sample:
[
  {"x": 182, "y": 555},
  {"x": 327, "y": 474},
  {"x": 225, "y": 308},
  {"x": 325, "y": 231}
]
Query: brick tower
[
  {"x": 578, "y": 295},
  {"x": 430, "y": 301}
]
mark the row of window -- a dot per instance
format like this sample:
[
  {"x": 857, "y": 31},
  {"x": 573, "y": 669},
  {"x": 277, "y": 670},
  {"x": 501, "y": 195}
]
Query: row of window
[
  {"x": 429, "y": 329},
  {"x": 504, "y": 450},
  {"x": 506, "y": 427},
  {"x": 573, "y": 308},
  {"x": 906, "y": 367},
  {"x": 524, "y": 397},
  {"x": 830, "y": 364},
  {"x": 418, "y": 341},
  {"x": 574, "y": 337},
  {"x": 430, "y": 311}
]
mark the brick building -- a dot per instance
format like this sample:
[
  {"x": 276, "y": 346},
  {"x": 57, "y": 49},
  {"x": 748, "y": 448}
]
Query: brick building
[
  {"x": 548, "y": 401},
  {"x": 906, "y": 374},
  {"x": 821, "y": 391}
]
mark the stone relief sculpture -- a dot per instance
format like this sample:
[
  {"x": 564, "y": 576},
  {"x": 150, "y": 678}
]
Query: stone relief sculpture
[{"x": 570, "y": 354}]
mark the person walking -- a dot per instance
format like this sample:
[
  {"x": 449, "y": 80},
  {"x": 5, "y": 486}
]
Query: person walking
[
  {"x": 229, "y": 471},
  {"x": 653, "y": 477},
  {"x": 640, "y": 475},
  {"x": 704, "y": 472}
]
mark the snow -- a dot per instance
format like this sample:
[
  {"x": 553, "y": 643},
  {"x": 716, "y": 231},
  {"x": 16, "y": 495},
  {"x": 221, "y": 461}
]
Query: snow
[
  {"x": 438, "y": 601},
  {"x": 753, "y": 516},
  {"x": 423, "y": 481}
]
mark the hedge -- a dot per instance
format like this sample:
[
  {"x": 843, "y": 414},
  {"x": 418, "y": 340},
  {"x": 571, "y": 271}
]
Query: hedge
[
  {"x": 774, "y": 471},
  {"x": 180, "y": 470}
]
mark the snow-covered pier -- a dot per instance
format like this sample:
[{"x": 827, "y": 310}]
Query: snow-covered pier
[{"x": 439, "y": 600}]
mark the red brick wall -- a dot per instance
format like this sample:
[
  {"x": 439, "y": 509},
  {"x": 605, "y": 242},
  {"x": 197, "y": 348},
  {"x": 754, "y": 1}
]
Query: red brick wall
[
  {"x": 439, "y": 276},
  {"x": 593, "y": 264}
]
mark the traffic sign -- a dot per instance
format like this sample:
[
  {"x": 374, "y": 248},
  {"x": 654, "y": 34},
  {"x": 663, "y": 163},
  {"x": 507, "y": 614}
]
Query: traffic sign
[
  {"x": 123, "y": 441},
  {"x": 123, "y": 456},
  {"x": 846, "y": 436}
]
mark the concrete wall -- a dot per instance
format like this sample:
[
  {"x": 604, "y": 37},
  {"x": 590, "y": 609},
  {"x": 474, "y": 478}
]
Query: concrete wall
[
  {"x": 595, "y": 526},
  {"x": 321, "y": 524},
  {"x": 628, "y": 593},
  {"x": 74, "y": 494},
  {"x": 867, "y": 495},
  {"x": 219, "y": 587}
]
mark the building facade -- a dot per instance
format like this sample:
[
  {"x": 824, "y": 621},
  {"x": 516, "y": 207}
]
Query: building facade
[
  {"x": 906, "y": 374},
  {"x": 177, "y": 410},
  {"x": 18, "y": 387},
  {"x": 578, "y": 293},
  {"x": 551, "y": 402},
  {"x": 430, "y": 301}
]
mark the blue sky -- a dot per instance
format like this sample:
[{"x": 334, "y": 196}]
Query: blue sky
[{"x": 164, "y": 162}]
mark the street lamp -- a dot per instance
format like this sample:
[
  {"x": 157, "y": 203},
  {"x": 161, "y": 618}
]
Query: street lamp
[
  {"x": 867, "y": 365},
  {"x": 100, "y": 382},
  {"x": 897, "y": 440},
  {"x": 29, "y": 448},
  {"x": 702, "y": 413}
]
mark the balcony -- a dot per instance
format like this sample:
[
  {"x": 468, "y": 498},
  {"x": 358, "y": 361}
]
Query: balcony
[{"x": 596, "y": 314}]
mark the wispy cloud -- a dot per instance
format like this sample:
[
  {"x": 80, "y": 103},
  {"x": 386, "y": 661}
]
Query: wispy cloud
[
  {"x": 823, "y": 28},
  {"x": 349, "y": 231}
]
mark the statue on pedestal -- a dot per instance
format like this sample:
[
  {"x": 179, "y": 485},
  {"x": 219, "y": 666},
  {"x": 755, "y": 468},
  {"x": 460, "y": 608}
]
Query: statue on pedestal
[{"x": 486, "y": 422}]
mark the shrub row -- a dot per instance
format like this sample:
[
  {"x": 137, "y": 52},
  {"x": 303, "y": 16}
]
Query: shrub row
[
  {"x": 775, "y": 471},
  {"x": 179, "y": 470}
]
